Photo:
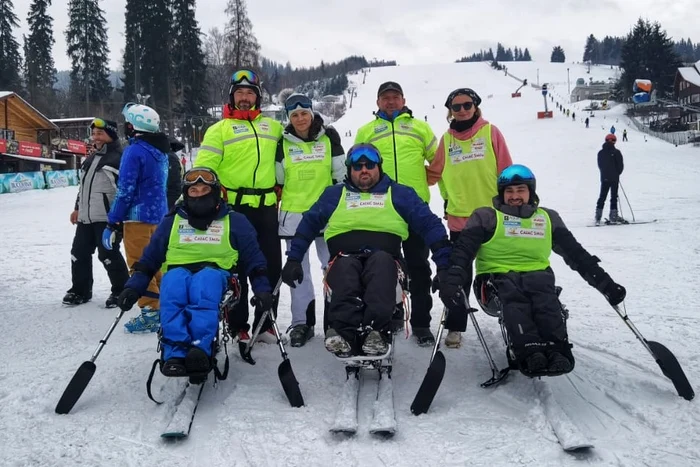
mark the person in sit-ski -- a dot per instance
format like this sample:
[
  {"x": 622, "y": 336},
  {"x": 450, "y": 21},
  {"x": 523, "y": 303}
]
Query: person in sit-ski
[
  {"x": 366, "y": 220},
  {"x": 511, "y": 243},
  {"x": 198, "y": 244}
]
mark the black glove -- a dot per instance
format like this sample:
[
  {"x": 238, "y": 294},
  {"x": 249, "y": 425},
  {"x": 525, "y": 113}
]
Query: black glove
[
  {"x": 614, "y": 293},
  {"x": 440, "y": 276},
  {"x": 262, "y": 301},
  {"x": 127, "y": 299},
  {"x": 454, "y": 289},
  {"x": 291, "y": 272}
]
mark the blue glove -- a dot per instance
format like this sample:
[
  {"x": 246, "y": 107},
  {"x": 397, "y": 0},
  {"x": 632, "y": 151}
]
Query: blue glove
[{"x": 111, "y": 235}]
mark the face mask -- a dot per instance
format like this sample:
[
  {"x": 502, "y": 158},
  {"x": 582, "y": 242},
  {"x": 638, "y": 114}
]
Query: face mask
[{"x": 202, "y": 206}]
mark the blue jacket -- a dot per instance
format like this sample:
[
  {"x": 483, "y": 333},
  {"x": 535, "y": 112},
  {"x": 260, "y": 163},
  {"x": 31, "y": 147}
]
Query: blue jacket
[
  {"x": 141, "y": 192},
  {"x": 408, "y": 205},
  {"x": 243, "y": 238}
]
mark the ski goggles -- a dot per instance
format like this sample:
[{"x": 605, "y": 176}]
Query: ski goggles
[
  {"x": 242, "y": 76},
  {"x": 363, "y": 151},
  {"x": 202, "y": 175},
  {"x": 466, "y": 105},
  {"x": 515, "y": 173},
  {"x": 297, "y": 101},
  {"x": 102, "y": 125}
]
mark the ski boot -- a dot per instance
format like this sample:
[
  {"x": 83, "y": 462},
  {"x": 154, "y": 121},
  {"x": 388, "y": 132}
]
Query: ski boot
[
  {"x": 300, "y": 334},
  {"x": 558, "y": 364},
  {"x": 111, "y": 301},
  {"x": 424, "y": 337},
  {"x": 453, "y": 340},
  {"x": 375, "y": 344},
  {"x": 74, "y": 299},
  {"x": 598, "y": 215},
  {"x": 147, "y": 321},
  {"x": 337, "y": 344}
]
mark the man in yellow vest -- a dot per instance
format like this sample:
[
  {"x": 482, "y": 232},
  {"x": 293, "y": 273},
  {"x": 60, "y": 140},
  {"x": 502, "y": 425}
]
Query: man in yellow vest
[
  {"x": 366, "y": 219},
  {"x": 241, "y": 149},
  {"x": 512, "y": 242},
  {"x": 406, "y": 144},
  {"x": 198, "y": 245}
]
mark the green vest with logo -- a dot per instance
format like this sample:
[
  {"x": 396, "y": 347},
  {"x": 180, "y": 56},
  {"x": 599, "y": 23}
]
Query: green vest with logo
[
  {"x": 518, "y": 244},
  {"x": 366, "y": 211},
  {"x": 404, "y": 149},
  {"x": 188, "y": 245},
  {"x": 307, "y": 172},
  {"x": 471, "y": 172}
]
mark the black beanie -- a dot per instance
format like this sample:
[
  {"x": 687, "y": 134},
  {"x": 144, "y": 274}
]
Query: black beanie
[{"x": 110, "y": 128}]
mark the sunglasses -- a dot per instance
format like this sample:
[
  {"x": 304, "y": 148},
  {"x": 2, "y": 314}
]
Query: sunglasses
[
  {"x": 205, "y": 176},
  {"x": 357, "y": 166},
  {"x": 245, "y": 75},
  {"x": 297, "y": 101},
  {"x": 466, "y": 105}
]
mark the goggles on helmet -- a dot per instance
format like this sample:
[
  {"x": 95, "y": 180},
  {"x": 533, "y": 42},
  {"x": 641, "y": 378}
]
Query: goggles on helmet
[
  {"x": 514, "y": 175},
  {"x": 359, "y": 151},
  {"x": 200, "y": 175},
  {"x": 245, "y": 77},
  {"x": 297, "y": 101}
]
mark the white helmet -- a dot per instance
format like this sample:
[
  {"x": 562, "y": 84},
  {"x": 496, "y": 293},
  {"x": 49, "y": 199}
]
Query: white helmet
[{"x": 142, "y": 118}]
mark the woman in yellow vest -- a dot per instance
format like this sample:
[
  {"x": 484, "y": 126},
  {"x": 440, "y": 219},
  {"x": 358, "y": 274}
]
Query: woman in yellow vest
[
  {"x": 309, "y": 158},
  {"x": 197, "y": 244},
  {"x": 512, "y": 242},
  {"x": 469, "y": 158}
]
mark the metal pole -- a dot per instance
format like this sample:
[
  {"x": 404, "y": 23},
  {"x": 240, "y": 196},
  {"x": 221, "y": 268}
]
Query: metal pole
[{"x": 568, "y": 83}]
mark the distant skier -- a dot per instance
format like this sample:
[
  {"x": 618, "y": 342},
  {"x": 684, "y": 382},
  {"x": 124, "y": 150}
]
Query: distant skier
[
  {"x": 611, "y": 165},
  {"x": 425, "y": 118},
  {"x": 612, "y": 129},
  {"x": 624, "y": 135},
  {"x": 573, "y": 116},
  {"x": 587, "y": 122}
]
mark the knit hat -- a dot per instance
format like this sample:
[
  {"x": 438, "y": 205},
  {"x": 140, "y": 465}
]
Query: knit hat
[{"x": 108, "y": 126}]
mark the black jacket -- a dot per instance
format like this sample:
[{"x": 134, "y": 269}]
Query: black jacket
[
  {"x": 610, "y": 162},
  {"x": 174, "y": 186}
]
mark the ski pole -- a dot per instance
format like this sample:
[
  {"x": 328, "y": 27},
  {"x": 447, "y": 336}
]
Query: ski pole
[
  {"x": 628, "y": 201},
  {"x": 84, "y": 374},
  {"x": 496, "y": 375},
  {"x": 245, "y": 348}
]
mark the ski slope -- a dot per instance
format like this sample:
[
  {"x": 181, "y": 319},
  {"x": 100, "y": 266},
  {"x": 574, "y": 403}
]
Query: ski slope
[{"x": 616, "y": 395}]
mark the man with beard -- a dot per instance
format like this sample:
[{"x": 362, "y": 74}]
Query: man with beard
[
  {"x": 365, "y": 220},
  {"x": 200, "y": 243},
  {"x": 406, "y": 144},
  {"x": 512, "y": 242},
  {"x": 241, "y": 149}
]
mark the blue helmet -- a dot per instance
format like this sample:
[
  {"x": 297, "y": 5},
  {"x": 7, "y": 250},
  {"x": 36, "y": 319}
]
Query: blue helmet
[{"x": 517, "y": 174}]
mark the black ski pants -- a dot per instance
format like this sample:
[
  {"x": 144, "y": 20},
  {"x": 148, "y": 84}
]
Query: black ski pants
[
  {"x": 605, "y": 186},
  {"x": 457, "y": 317},
  {"x": 87, "y": 238},
  {"x": 264, "y": 220},
  {"x": 531, "y": 312},
  {"x": 415, "y": 254},
  {"x": 363, "y": 292}
]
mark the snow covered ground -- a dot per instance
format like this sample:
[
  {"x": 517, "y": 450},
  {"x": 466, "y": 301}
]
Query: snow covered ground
[{"x": 616, "y": 393}]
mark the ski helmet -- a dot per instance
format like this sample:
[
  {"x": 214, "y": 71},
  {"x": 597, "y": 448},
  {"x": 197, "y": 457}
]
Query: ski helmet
[
  {"x": 246, "y": 79},
  {"x": 363, "y": 152},
  {"x": 142, "y": 118},
  {"x": 517, "y": 174},
  {"x": 298, "y": 101},
  {"x": 611, "y": 138}
]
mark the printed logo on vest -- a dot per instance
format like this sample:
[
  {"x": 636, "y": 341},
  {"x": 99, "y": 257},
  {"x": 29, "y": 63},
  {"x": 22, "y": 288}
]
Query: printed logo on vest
[
  {"x": 238, "y": 129},
  {"x": 355, "y": 201},
  {"x": 512, "y": 221},
  {"x": 381, "y": 127},
  {"x": 188, "y": 234},
  {"x": 264, "y": 126},
  {"x": 405, "y": 126},
  {"x": 539, "y": 221},
  {"x": 526, "y": 233}
]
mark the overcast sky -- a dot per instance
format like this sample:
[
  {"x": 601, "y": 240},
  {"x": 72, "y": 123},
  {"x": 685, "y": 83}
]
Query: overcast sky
[{"x": 305, "y": 32}]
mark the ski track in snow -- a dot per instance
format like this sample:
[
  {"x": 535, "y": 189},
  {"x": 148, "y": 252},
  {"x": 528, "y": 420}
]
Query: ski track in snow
[{"x": 616, "y": 395}]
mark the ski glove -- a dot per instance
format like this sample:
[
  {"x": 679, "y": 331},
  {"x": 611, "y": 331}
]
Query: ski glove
[
  {"x": 291, "y": 272},
  {"x": 452, "y": 282},
  {"x": 614, "y": 293},
  {"x": 262, "y": 301},
  {"x": 112, "y": 235},
  {"x": 127, "y": 299}
]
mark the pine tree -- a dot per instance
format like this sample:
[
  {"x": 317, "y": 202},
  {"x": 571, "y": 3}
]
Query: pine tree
[
  {"x": 10, "y": 59},
  {"x": 39, "y": 71},
  {"x": 558, "y": 55},
  {"x": 189, "y": 71},
  {"x": 526, "y": 56},
  {"x": 86, "y": 37},
  {"x": 134, "y": 50},
  {"x": 590, "y": 51},
  {"x": 500, "y": 52},
  {"x": 243, "y": 47}
]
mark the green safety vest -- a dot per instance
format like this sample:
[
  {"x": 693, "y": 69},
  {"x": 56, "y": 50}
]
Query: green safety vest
[
  {"x": 471, "y": 172},
  {"x": 307, "y": 172},
  {"x": 188, "y": 245},
  {"x": 242, "y": 153},
  {"x": 366, "y": 211},
  {"x": 518, "y": 245},
  {"x": 405, "y": 144}
]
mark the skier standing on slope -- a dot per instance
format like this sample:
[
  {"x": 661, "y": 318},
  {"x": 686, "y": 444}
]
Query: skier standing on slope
[
  {"x": 406, "y": 144},
  {"x": 512, "y": 242},
  {"x": 200, "y": 243},
  {"x": 469, "y": 158},
  {"x": 365, "y": 220},
  {"x": 611, "y": 164},
  {"x": 309, "y": 159}
]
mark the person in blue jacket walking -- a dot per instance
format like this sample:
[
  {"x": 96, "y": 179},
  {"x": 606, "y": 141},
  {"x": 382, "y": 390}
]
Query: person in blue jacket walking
[
  {"x": 366, "y": 218},
  {"x": 198, "y": 244},
  {"x": 140, "y": 202}
]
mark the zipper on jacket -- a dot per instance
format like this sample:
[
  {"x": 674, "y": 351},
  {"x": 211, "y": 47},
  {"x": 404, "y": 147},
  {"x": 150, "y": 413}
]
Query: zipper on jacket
[
  {"x": 257, "y": 144},
  {"x": 396, "y": 161}
]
